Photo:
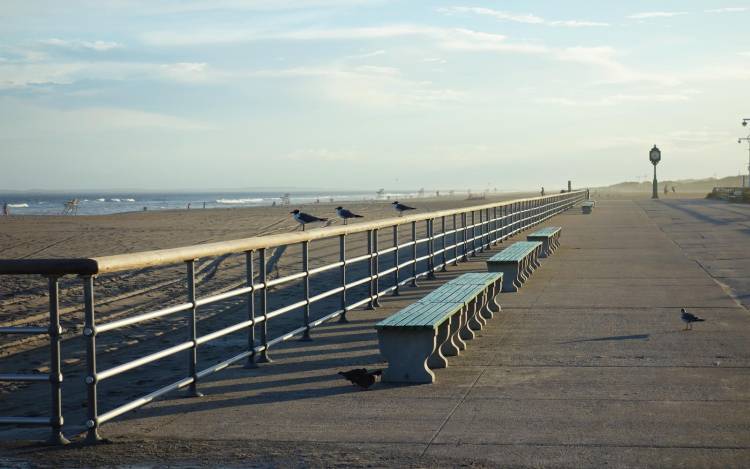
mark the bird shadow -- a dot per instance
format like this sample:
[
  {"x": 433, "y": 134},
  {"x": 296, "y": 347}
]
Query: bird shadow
[{"x": 610, "y": 338}]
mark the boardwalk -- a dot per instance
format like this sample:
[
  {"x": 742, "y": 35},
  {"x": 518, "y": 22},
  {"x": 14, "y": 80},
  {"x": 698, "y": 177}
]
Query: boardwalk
[{"x": 586, "y": 366}]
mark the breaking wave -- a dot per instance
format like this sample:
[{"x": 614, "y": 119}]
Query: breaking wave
[{"x": 238, "y": 201}]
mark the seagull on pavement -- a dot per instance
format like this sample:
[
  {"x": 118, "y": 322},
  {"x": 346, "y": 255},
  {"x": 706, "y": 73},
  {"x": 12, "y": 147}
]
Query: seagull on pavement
[
  {"x": 303, "y": 218},
  {"x": 346, "y": 214},
  {"x": 689, "y": 319},
  {"x": 401, "y": 208}
]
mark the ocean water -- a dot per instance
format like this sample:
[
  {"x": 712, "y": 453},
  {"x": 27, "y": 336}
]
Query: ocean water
[{"x": 28, "y": 203}]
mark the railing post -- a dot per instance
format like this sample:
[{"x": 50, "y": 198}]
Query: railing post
[
  {"x": 481, "y": 230},
  {"x": 376, "y": 264},
  {"x": 342, "y": 273},
  {"x": 507, "y": 220},
  {"x": 464, "y": 242},
  {"x": 371, "y": 285},
  {"x": 396, "y": 290},
  {"x": 443, "y": 257},
  {"x": 264, "y": 358},
  {"x": 250, "y": 279},
  {"x": 495, "y": 233},
  {"x": 430, "y": 249},
  {"x": 414, "y": 253},
  {"x": 306, "y": 288},
  {"x": 473, "y": 236},
  {"x": 455, "y": 240},
  {"x": 192, "y": 331},
  {"x": 89, "y": 331},
  {"x": 488, "y": 227},
  {"x": 55, "y": 371}
]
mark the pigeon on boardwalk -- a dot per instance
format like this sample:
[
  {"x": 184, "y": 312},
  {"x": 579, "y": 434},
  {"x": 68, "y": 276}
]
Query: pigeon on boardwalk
[
  {"x": 401, "y": 208},
  {"x": 689, "y": 319},
  {"x": 361, "y": 377},
  {"x": 304, "y": 218},
  {"x": 346, "y": 214}
]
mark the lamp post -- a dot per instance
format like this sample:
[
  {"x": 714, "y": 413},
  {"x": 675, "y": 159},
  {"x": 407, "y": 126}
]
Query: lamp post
[
  {"x": 747, "y": 139},
  {"x": 655, "y": 156}
]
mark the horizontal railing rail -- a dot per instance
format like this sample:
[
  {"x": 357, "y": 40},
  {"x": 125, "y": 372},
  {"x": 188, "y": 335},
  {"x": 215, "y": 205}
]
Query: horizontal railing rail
[{"x": 354, "y": 282}]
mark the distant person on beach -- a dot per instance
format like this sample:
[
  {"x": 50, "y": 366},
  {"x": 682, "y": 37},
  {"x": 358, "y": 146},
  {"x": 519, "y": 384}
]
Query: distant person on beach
[
  {"x": 665, "y": 188},
  {"x": 542, "y": 191},
  {"x": 673, "y": 189},
  {"x": 188, "y": 206},
  {"x": 6, "y": 210}
]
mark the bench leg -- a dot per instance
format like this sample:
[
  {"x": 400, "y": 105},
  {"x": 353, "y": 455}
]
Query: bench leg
[
  {"x": 492, "y": 305},
  {"x": 546, "y": 248},
  {"x": 476, "y": 321},
  {"x": 480, "y": 301},
  {"x": 454, "y": 346},
  {"x": 510, "y": 275},
  {"x": 407, "y": 352},
  {"x": 465, "y": 333},
  {"x": 437, "y": 360},
  {"x": 524, "y": 270},
  {"x": 457, "y": 339},
  {"x": 487, "y": 312}
]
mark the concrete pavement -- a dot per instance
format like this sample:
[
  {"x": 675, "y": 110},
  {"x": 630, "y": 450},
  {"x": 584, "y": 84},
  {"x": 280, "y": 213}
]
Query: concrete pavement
[{"x": 586, "y": 366}]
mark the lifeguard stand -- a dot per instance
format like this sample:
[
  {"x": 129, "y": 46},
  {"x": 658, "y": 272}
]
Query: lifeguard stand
[{"x": 70, "y": 207}]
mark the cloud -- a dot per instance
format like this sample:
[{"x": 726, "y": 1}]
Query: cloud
[
  {"x": 366, "y": 55},
  {"x": 367, "y": 86},
  {"x": 32, "y": 121},
  {"x": 467, "y": 39},
  {"x": 605, "y": 58},
  {"x": 225, "y": 36},
  {"x": 728, "y": 10},
  {"x": 22, "y": 75},
  {"x": 317, "y": 155},
  {"x": 521, "y": 18},
  {"x": 449, "y": 38},
  {"x": 617, "y": 99},
  {"x": 76, "y": 44},
  {"x": 657, "y": 14},
  {"x": 699, "y": 136}
]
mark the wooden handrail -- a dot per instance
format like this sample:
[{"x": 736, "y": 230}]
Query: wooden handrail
[{"x": 139, "y": 260}]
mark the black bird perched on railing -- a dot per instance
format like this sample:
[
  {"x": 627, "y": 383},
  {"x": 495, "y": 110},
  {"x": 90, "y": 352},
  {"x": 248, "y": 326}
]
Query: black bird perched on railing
[
  {"x": 689, "y": 319},
  {"x": 304, "y": 218},
  {"x": 346, "y": 214},
  {"x": 361, "y": 377},
  {"x": 401, "y": 208}
]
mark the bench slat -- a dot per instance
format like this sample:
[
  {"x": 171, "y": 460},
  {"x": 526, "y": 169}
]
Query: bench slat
[
  {"x": 515, "y": 252},
  {"x": 545, "y": 232}
]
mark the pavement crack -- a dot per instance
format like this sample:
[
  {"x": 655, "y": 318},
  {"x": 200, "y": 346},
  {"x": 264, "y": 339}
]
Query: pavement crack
[{"x": 450, "y": 414}]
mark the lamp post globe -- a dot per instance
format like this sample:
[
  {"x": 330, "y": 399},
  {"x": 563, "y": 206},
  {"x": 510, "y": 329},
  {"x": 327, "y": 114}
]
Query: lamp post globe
[{"x": 655, "y": 156}]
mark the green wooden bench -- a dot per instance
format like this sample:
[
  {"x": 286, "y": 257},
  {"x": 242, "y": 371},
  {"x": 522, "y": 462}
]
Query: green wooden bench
[
  {"x": 587, "y": 206},
  {"x": 549, "y": 237},
  {"x": 418, "y": 338},
  {"x": 516, "y": 262}
]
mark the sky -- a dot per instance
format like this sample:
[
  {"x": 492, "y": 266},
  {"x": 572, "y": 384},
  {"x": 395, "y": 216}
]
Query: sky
[{"x": 363, "y": 94}]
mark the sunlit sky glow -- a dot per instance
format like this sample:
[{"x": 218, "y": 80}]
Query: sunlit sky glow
[{"x": 362, "y": 94}]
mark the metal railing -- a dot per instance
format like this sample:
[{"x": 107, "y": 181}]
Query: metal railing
[
  {"x": 462, "y": 234},
  {"x": 54, "y": 376}
]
